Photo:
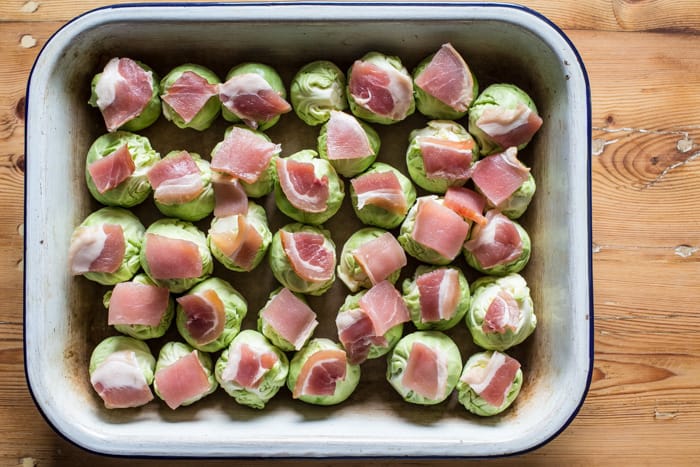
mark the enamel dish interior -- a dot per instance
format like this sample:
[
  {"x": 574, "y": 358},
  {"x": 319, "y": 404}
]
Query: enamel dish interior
[{"x": 64, "y": 317}]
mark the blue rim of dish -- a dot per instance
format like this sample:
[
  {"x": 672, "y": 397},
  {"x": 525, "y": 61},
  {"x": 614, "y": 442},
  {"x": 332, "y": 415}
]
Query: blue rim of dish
[{"x": 513, "y": 6}]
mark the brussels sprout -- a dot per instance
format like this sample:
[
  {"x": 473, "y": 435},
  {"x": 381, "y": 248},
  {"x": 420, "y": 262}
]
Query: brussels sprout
[
  {"x": 291, "y": 311},
  {"x": 377, "y": 213},
  {"x": 229, "y": 227},
  {"x": 234, "y": 308},
  {"x": 322, "y": 170},
  {"x": 268, "y": 380},
  {"x": 355, "y": 165},
  {"x": 195, "y": 209},
  {"x": 349, "y": 270},
  {"x": 439, "y": 356},
  {"x": 147, "y": 116},
  {"x": 268, "y": 74},
  {"x": 170, "y": 354},
  {"x": 316, "y": 89},
  {"x": 476, "y": 249},
  {"x": 501, "y": 314},
  {"x": 207, "y": 113},
  {"x": 501, "y": 98},
  {"x": 476, "y": 369},
  {"x": 456, "y": 303},
  {"x": 341, "y": 381},
  {"x": 144, "y": 331},
  {"x": 283, "y": 267},
  {"x": 401, "y": 93},
  {"x": 92, "y": 233},
  {"x": 121, "y": 371},
  {"x": 176, "y": 229},
  {"x": 455, "y": 138},
  {"x": 133, "y": 188}
]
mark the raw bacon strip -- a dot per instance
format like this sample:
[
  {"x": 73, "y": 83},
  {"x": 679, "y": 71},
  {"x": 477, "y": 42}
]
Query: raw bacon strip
[
  {"x": 120, "y": 381},
  {"x": 509, "y": 127},
  {"x": 188, "y": 94},
  {"x": 503, "y": 314},
  {"x": 252, "y": 99},
  {"x": 300, "y": 185},
  {"x": 467, "y": 203},
  {"x": 439, "y": 228},
  {"x": 356, "y": 333},
  {"x": 380, "y": 257},
  {"x": 345, "y": 137},
  {"x": 426, "y": 372},
  {"x": 320, "y": 373},
  {"x": 98, "y": 248},
  {"x": 183, "y": 380},
  {"x": 500, "y": 175},
  {"x": 247, "y": 366},
  {"x": 172, "y": 258},
  {"x": 109, "y": 172},
  {"x": 498, "y": 242},
  {"x": 449, "y": 160},
  {"x": 176, "y": 179},
  {"x": 229, "y": 197},
  {"x": 238, "y": 239},
  {"x": 123, "y": 92},
  {"x": 439, "y": 294},
  {"x": 385, "y": 307},
  {"x": 383, "y": 90},
  {"x": 307, "y": 254},
  {"x": 493, "y": 381},
  {"x": 290, "y": 317},
  {"x": 380, "y": 189},
  {"x": 136, "y": 303},
  {"x": 206, "y": 315},
  {"x": 244, "y": 155},
  {"x": 447, "y": 78}
]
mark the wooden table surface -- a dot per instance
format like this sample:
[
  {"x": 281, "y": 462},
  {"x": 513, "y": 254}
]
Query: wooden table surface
[{"x": 643, "y": 407}]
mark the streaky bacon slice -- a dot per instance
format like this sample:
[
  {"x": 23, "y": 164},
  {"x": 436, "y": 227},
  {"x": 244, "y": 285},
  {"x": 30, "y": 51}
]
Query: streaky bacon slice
[
  {"x": 448, "y": 78},
  {"x": 502, "y": 314},
  {"x": 248, "y": 365},
  {"x": 136, "y": 303},
  {"x": 467, "y": 203},
  {"x": 206, "y": 315},
  {"x": 120, "y": 382},
  {"x": 189, "y": 94},
  {"x": 385, "y": 307},
  {"x": 345, "y": 137},
  {"x": 300, "y": 185},
  {"x": 356, "y": 333},
  {"x": 439, "y": 228},
  {"x": 425, "y": 372},
  {"x": 380, "y": 189},
  {"x": 98, "y": 248},
  {"x": 500, "y": 175},
  {"x": 509, "y": 127},
  {"x": 172, "y": 258},
  {"x": 252, "y": 99},
  {"x": 320, "y": 373},
  {"x": 123, "y": 92},
  {"x": 444, "y": 159},
  {"x": 380, "y": 257},
  {"x": 497, "y": 242},
  {"x": 492, "y": 382},
  {"x": 176, "y": 179},
  {"x": 383, "y": 90},
  {"x": 229, "y": 196},
  {"x": 238, "y": 239},
  {"x": 109, "y": 172},
  {"x": 244, "y": 155},
  {"x": 308, "y": 255},
  {"x": 438, "y": 294},
  {"x": 290, "y": 317},
  {"x": 183, "y": 380}
]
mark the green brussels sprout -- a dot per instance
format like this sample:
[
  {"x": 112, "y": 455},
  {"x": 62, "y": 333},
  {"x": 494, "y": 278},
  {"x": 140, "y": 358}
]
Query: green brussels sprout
[
  {"x": 121, "y": 371},
  {"x": 350, "y": 271},
  {"x": 480, "y": 237},
  {"x": 316, "y": 89},
  {"x": 205, "y": 116},
  {"x": 144, "y": 331},
  {"x": 224, "y": 227},
  {"x": 272, "y": 78},
  {"x": 218, "y": 334},
  {"x": 498, "y": 97},
  {"x": 454, "y": 137},
  {"x": 501, "y": 314},
  {"x": 195, "y": 209},
  {"x": 343, "y": 381},
  {"x": 146, "y": 117},
  {"x": 386, "y": 213},
  {"x": 406, "y": 374},
  {"x": 296, "y": 310},
  {"x": 169, "y": 355},
  {"x": 134, "y": 188},
  {"x": 178, "y": 230},
  {"x": 322, "y": 170},
  {"x": 271, "y": 374},
  {"x": 354, "y": 165},
  {"x": 91, "y": 234},
  {"x": 456, "y": 303},
  {"x": 283, "y": 267},
  {"x": 477, "y": 369}
]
